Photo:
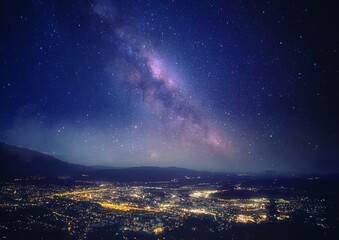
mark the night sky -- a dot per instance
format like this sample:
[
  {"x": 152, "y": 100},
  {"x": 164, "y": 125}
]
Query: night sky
[{"x": 210, "y": 85}]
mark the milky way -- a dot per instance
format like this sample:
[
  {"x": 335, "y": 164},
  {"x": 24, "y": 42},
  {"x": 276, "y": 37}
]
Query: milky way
[{"x": 153, "y": 80}]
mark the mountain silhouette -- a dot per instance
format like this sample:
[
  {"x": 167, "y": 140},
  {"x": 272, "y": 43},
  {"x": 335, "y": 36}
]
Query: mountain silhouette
[{"x": 17, "y": 162}]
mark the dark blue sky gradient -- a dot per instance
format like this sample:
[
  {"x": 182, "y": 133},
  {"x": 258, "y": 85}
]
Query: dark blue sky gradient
[{"x": 216, "y": 85}]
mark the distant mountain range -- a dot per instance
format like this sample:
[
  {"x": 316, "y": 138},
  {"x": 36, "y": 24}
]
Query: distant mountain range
[
  {"x": 17, "y": 162},
  {"x": 136, "y": 174}
]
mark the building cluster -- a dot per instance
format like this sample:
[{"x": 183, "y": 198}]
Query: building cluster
[{"x": 153, "y": 208}]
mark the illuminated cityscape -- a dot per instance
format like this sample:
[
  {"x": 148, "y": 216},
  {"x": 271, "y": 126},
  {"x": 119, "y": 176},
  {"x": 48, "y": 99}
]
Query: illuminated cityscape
[{"x": 152, "y": 208}]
